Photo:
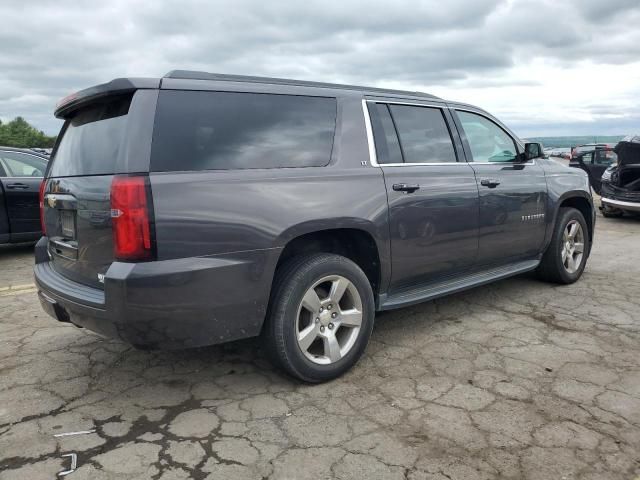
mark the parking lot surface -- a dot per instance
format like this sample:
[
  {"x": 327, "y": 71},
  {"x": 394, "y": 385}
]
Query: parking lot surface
[{"x": 518, "y": 379}]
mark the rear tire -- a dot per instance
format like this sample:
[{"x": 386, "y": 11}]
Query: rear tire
[
  {"x": 566, "y": 256},
  {"x": 320, "y": 316}
]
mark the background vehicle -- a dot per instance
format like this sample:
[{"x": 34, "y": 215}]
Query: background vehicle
[
  {"x": 201, "y": 208},
  {"x": 593, "y": 159},
  {"x": 21, "y": 173},
  {"x": 621, "y": 181}
]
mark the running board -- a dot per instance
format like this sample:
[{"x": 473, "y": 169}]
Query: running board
[{"x": 430, "y": 292}]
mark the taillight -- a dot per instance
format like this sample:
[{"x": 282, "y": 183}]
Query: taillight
[
  {"x": 130, "y": 217},
  {"x": 41, "y": 199}
]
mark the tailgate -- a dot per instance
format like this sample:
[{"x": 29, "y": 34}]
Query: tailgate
[{"x": 107, "y": 137}]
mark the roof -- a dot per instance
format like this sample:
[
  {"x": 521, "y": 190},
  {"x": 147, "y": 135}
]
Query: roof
[{"x": 195, "y": 75}]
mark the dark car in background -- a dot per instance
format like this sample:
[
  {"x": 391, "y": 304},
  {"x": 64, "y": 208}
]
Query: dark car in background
[
  {"x": 593, "y": 158},
  {"x": 199, "y": 208},
  {"x": 21, "y": 172},
  {"x": 621, "y": 181}
]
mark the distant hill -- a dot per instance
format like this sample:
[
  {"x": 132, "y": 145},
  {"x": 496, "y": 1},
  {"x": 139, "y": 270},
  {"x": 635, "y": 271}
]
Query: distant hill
[{"x": 558, "y": 142}]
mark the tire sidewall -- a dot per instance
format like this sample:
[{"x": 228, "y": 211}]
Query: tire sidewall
[
  {"x": 312, "y": 272},
  {"x": 567, "y": 216}
]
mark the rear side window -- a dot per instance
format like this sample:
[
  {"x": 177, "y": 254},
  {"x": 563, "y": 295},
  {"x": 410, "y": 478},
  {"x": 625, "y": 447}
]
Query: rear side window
[
  {"x": 197, "y": 130},
  {"x": 93, "y": 140}
]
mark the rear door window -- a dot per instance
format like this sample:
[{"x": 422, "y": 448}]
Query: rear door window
[
  {"x": 93, "y": 140},
  {"x": 196, "y": 130},
  {"x": 423, "y": 133},
  {"x": 385, "y": 135}
]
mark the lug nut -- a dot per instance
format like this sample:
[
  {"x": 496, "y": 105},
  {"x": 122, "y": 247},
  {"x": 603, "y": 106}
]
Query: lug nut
[
  {"x": 317, "y": 320},
  {"x": 334, "y": 315},
  {"x": 329, "y": 307},
  {"x": 331, "y": 326},
  {"x": 321, "y": 309},
  {"x": 322, "y": 329}
]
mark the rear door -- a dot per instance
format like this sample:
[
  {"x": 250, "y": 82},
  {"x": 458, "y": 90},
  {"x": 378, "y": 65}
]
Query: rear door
[
  {"x": 513, "y": 194},
  {"x": 21, "y": 177},
  {"x": 100, "y": 139},
  {"x": 431, "y": 190}
]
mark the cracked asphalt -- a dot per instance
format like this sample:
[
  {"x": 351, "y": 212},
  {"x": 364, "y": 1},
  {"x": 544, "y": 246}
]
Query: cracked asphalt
[{"x": 518, "y": 379}]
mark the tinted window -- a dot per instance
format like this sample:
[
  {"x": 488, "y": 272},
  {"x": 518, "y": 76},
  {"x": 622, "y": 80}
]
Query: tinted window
[
  {"x": 22, "y": 165},
  {"x": 488, "y": 142},
  {"x": 424, "y": 136},
  {"x": 227, "y": 130},
  {"x": 605, "y": 157},
  {"x": 384, "y": 133},
  {"x": 93, "y": 140}
]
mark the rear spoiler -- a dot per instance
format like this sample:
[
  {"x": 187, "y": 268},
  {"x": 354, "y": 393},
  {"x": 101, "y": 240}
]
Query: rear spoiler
[{"x": 115, "y": 87}]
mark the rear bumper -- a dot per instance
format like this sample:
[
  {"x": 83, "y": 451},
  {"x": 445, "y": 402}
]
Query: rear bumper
[{"x": 169, "y": 304}]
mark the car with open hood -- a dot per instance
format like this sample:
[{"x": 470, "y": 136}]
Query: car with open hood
[{"x": 621, "y": 181}]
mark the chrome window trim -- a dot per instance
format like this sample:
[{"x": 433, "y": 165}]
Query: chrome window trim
[{"x": 373, "y": 156}]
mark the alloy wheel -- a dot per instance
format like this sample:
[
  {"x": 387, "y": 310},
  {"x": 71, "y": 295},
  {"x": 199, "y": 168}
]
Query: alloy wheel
[
  {"x": 329, "y": 319},
  {"x": 572, "y": 246}
]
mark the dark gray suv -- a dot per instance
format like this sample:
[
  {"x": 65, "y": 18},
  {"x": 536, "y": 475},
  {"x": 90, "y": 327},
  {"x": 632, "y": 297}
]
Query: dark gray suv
[{"x": 198, "y": 208}]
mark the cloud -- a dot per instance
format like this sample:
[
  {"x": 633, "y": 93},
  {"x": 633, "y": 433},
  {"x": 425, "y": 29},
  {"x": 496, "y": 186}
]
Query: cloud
[{"x": 495, "y": 53}]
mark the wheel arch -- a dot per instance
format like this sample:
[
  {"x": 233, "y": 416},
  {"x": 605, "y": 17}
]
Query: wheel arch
[
  {"x": 581, "y": 201},
  {"x": 354, "y": 242}
]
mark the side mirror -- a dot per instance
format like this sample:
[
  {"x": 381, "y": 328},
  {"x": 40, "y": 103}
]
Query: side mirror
[{"x": 533, "y": 150}]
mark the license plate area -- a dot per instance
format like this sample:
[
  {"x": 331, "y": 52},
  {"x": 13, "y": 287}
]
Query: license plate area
[{"x": 68, "y": 224}]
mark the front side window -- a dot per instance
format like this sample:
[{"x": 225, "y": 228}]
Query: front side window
[
  {"x": 424, "y": 135},
  {"x": 22, "y": 165},
  {"x": 198, "y": 130},
  {"x": 488, "y": 142}
]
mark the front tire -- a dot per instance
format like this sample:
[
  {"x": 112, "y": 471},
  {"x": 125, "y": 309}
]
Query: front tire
[
  {"x": 320, "y": 317},
  {"x": 566, "y": 256}
]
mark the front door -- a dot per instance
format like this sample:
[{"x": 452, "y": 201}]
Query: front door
[
  {"x": 433, "y": 197},
  {"x": 21, "y": 184},
  {"x": 513, "y": 194}
]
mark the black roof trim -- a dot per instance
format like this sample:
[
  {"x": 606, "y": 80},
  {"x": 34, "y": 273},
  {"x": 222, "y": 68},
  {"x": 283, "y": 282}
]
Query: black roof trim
[{"x": 195, "y": 75}]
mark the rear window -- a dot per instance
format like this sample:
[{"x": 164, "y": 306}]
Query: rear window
[
  {"x": 93, "y": 140},
  {"x": 197, "y": 130}
]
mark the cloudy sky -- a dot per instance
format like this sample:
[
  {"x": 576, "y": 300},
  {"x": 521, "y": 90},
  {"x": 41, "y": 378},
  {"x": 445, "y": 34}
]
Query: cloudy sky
[{"x": 545, "y": 67}]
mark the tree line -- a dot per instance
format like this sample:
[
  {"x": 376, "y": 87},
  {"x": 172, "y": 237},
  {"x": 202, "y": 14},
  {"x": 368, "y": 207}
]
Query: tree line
[{"x": 19, "y": 133}]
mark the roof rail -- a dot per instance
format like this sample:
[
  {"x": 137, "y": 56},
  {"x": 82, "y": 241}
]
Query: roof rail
[{"x": 195, "y": 75}]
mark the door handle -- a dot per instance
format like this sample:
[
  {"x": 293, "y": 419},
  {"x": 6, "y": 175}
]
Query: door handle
[
  {"x": 17, "y": 186},
  {"x": 489, "y": 182},
  {"x": 406, "y": 187}
]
